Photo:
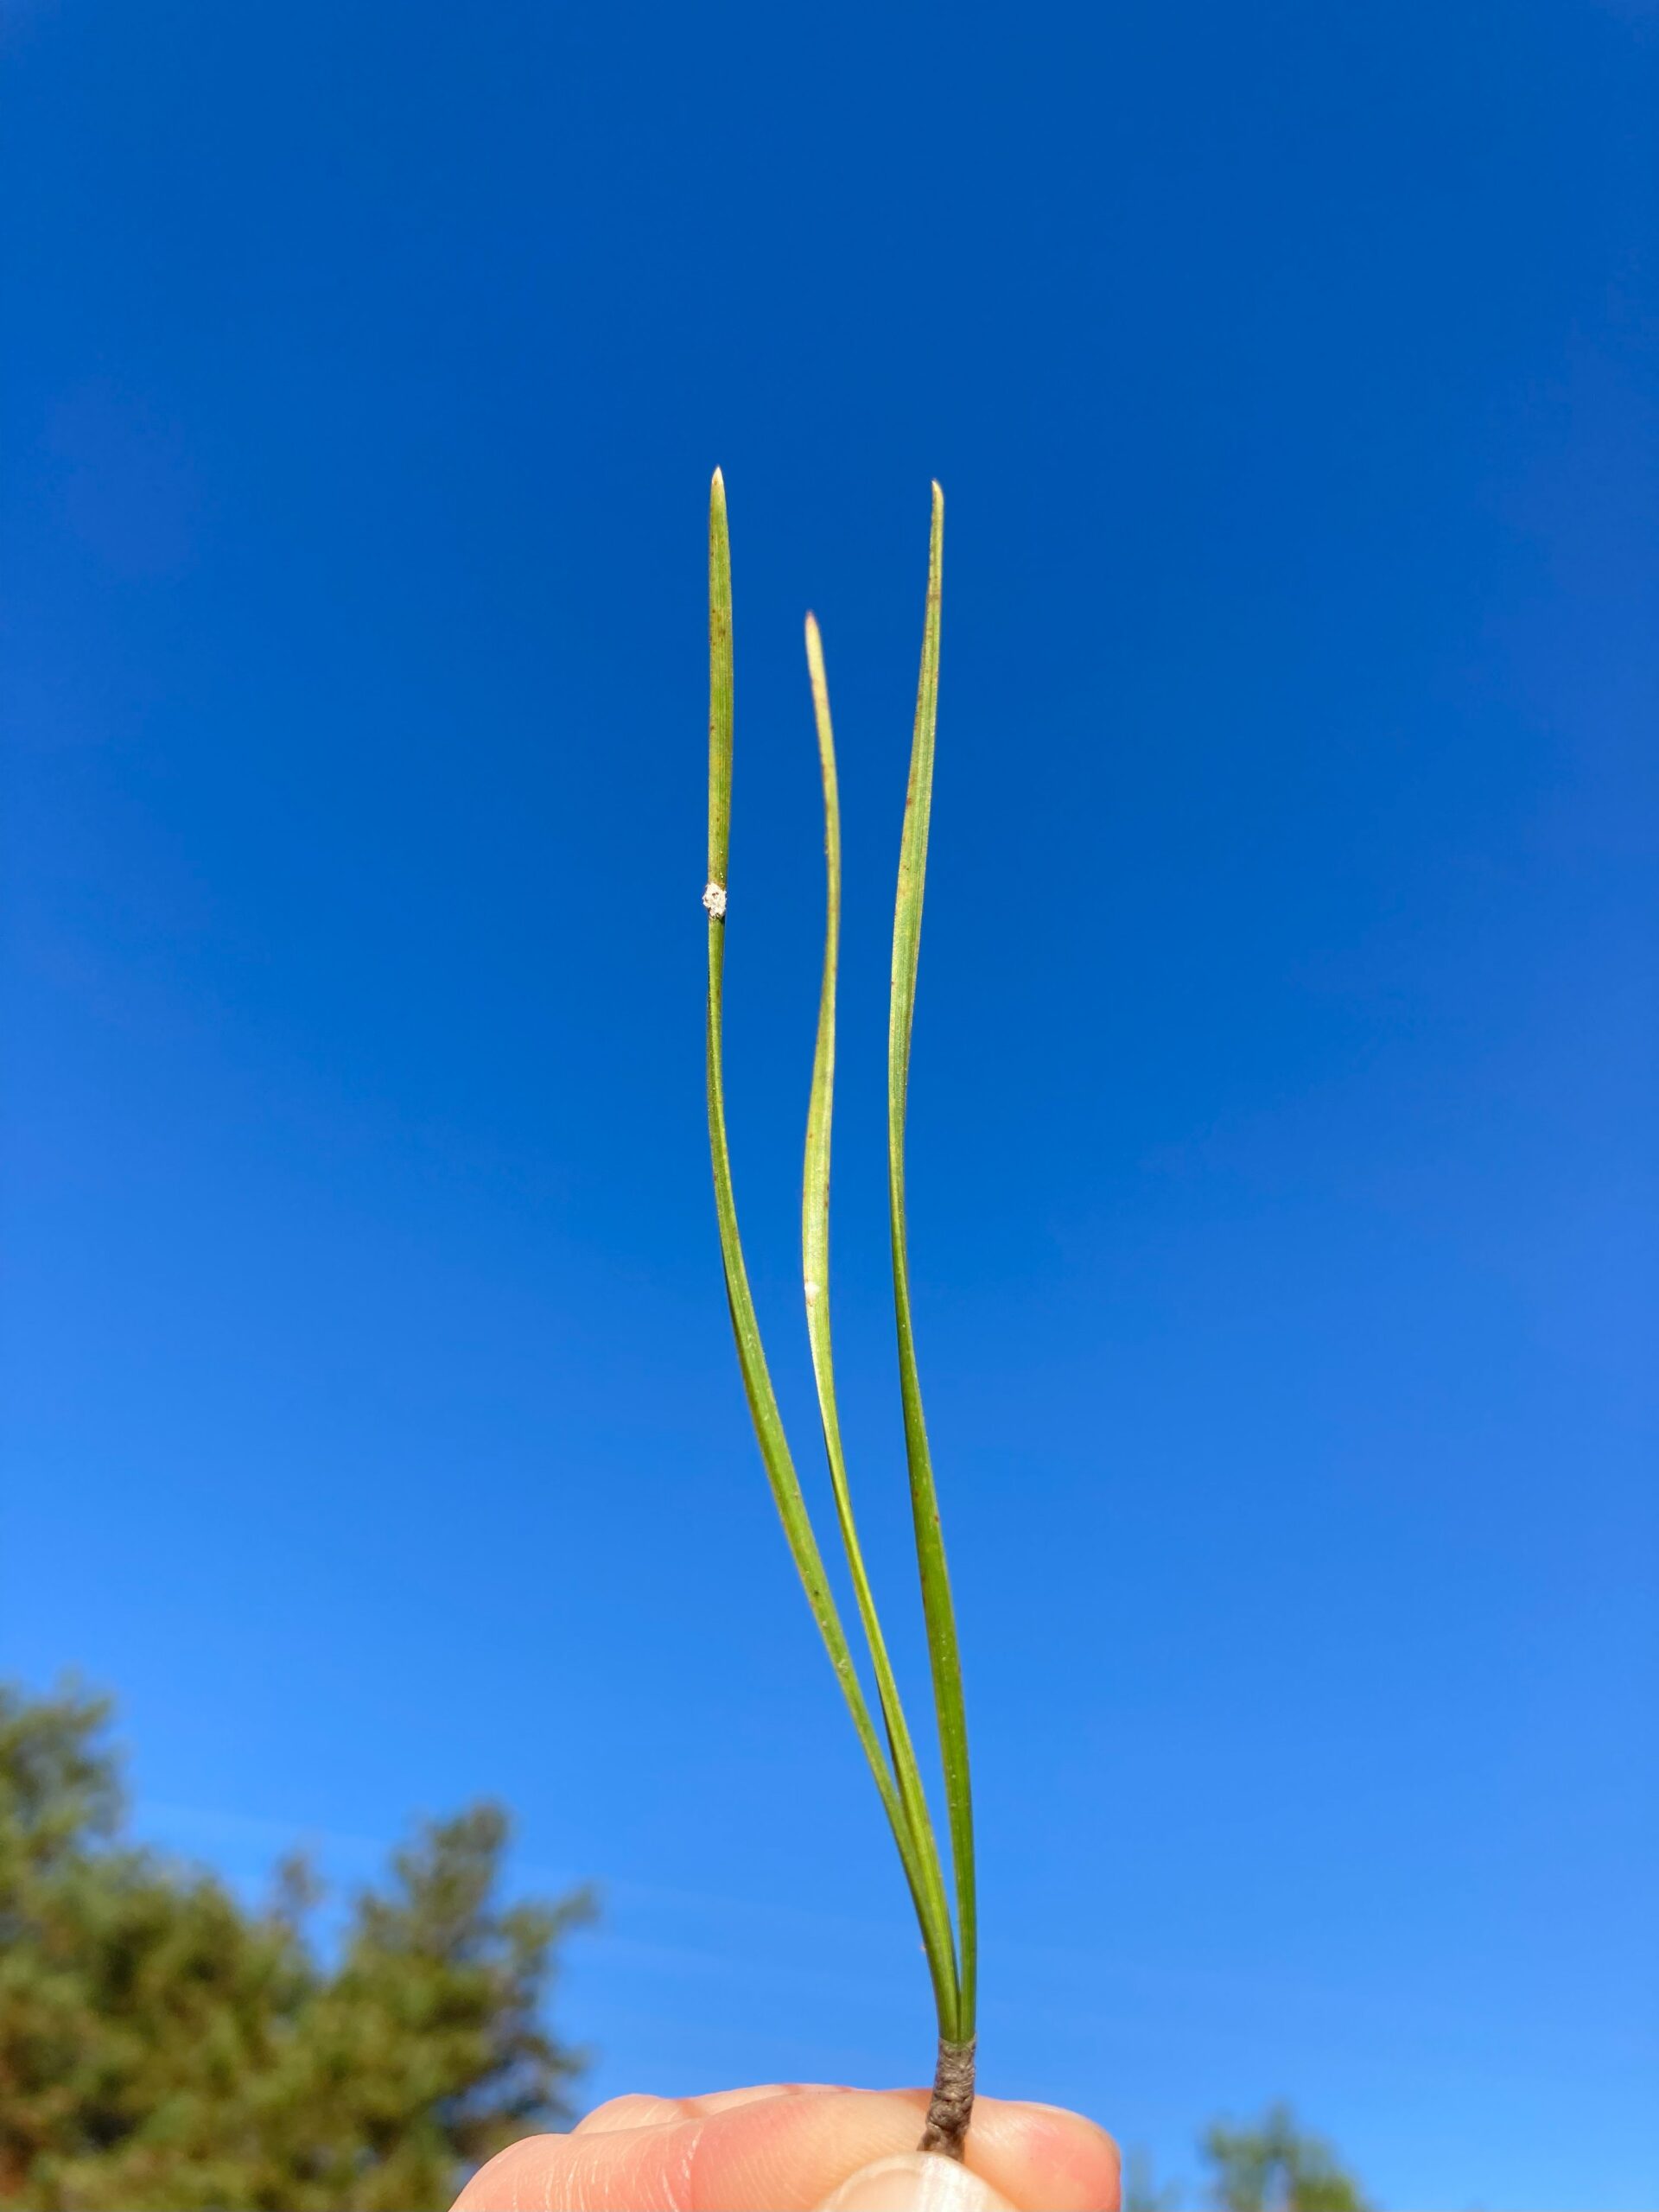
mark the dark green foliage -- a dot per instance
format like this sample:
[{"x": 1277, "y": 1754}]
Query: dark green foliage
[
  {"x": 163, "y": 2047},
  {"x": 1274, "y": 2167}
]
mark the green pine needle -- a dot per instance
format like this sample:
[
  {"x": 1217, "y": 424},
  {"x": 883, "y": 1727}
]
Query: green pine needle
[
  {"x": 943, "y": 1652},
  {"x": 950, "y": 1951},
  {"x": 814, "y": 1255}
]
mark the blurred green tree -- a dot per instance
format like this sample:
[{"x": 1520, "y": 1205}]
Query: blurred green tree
[
  {"x": 1276, "y": 2166},
  {"x": 1272, "y": 2166},
  {"x": 163, "y": 2046}
]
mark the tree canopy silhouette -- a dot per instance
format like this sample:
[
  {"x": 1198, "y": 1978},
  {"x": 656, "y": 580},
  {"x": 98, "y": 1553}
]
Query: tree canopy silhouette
[
  {"x": 1276, "y": 2166},
  {"x": 163, "y": 2045}
]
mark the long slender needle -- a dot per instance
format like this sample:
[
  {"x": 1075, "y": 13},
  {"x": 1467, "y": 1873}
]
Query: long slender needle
[
  {"x": 746, "y": 1329},
  {"x": 944, "y": 1655},
  {"x": 815, "y": 1253}
]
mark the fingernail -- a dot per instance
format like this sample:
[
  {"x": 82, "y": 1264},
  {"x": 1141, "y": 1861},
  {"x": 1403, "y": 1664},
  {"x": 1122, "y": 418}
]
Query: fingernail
[{"x": 920, "y": 2181}]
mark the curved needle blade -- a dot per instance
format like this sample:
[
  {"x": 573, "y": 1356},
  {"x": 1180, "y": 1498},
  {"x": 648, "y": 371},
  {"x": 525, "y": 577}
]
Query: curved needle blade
[
  {"x": 815, "y": 1255},
  {"x": 940, "y": 1613},
  {"x": 745, "y": 1328}
]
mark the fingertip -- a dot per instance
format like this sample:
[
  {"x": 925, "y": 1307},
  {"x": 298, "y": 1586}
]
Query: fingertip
[
  {"x": 1044, "y": 2156},
  {"x": 1055, "y": 2141},
  {"x": 629, "y": 2111},
  {"x": 1077, "y": 2124},
  {"x": 494, "y": 2187},
  {"x": 915, "y": 2180}
]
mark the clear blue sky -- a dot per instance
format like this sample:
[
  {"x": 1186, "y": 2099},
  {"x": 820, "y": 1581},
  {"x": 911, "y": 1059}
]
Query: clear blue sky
[{"x": 1283, "y": 1121}]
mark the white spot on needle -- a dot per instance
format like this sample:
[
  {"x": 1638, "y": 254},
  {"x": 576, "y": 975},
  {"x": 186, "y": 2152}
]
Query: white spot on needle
[{"x": 714, "y": 897}]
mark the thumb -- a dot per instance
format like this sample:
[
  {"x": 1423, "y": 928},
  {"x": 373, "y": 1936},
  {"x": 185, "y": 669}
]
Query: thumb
[{"x": 915, "y": 2180}]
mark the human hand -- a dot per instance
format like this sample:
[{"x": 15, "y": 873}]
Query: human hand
[{"x": 797, "y": 2147}]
